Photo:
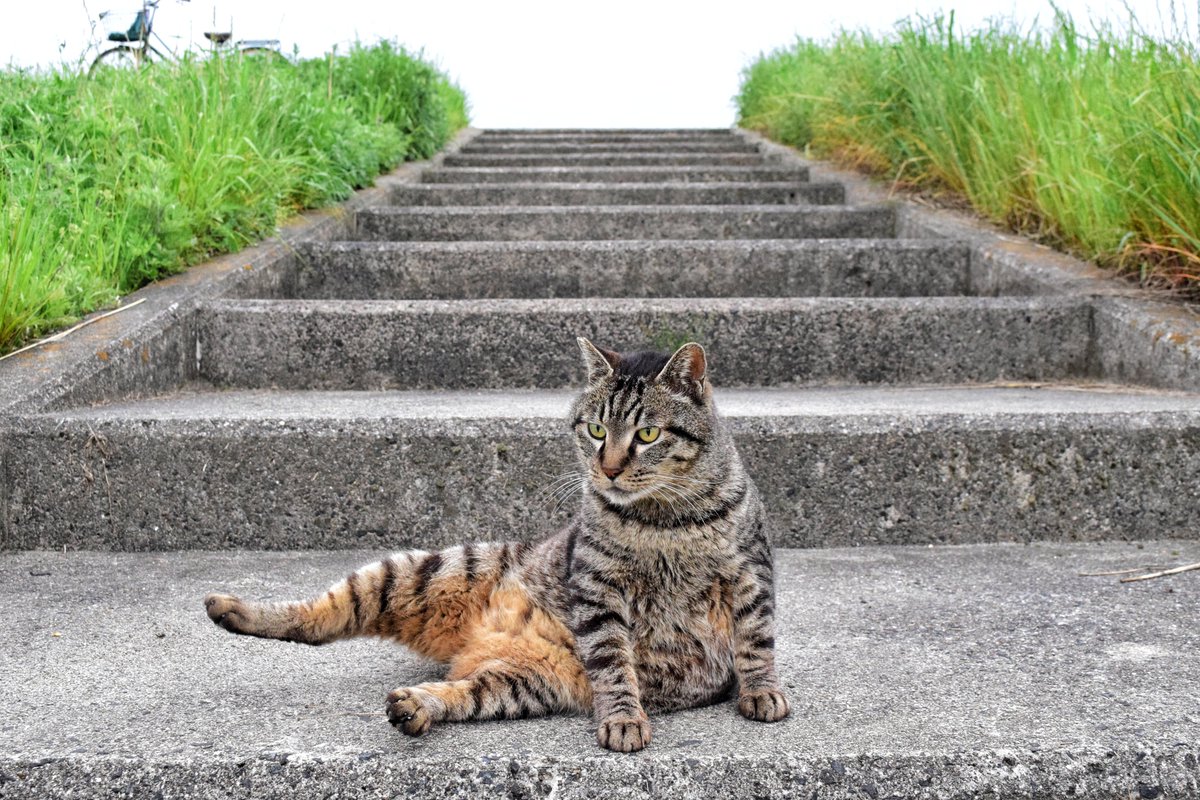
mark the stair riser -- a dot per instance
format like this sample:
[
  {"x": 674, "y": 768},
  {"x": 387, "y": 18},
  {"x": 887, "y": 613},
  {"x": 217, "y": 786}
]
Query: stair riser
[
  {"x": 531, "y": 343},
  {"x": 699, "y": 174},
  {"x": 676, "y": 194},
  {"x": 469, "y": 270},
  {"x": 608, "y": 159},
  {"x": 605, "y": 134},
  {"x": 582, "y": 147},
  {"x": 625, "y": 223},
  {"x": 166, "y": 486}
]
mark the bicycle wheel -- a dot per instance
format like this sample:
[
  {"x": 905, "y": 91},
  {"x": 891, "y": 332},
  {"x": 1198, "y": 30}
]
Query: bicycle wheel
[{"x": 119, "y": 57}]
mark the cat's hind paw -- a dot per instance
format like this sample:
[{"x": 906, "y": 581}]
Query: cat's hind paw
[
  {"x": 226, "y": 611},
  {"x": 408, "y": 712},
  {"x": 767, "y": 705},
  {"x": 623, "y": 734}
]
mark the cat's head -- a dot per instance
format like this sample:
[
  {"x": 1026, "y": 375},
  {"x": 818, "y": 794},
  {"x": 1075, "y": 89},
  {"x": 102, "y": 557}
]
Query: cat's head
[{"x": 645, "y": 424}]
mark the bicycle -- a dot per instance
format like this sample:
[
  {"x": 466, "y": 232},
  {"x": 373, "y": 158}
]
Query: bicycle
[{"x": 133, "y": 30}]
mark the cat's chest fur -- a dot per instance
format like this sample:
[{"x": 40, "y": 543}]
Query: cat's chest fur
[
  {"x": 681, "y": 620},
  {"x": 683, "y": 643}
]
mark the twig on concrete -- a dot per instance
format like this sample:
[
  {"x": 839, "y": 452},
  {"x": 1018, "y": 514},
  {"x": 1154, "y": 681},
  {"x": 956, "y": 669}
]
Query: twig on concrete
[
  {"x": 1115, "y": 572},
  {"x": 72, "y": 329},
  {"x": 1165, "y": 572}
]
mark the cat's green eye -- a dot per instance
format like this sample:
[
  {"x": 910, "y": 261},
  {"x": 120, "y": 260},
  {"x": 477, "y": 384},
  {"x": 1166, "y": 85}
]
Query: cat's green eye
[
  {"x": 597, "y": 431},
  {"x": 647, "y": 435}
]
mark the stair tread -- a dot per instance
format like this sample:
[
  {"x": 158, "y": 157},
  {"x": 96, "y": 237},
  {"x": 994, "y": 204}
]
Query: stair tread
[
  {"x": 622, "y": 174},
  {"x": 618, "y": 210},
  {"x": 635, "y": 305},
  {"x": 533, "y": 193},
  {"x": 822, "y": 404},
  {"x": 915, "y": 670},
  {"x": 697, "y": 246},
  {"x": 434, "y": 188},
  {"x": 666, "y": 159}
]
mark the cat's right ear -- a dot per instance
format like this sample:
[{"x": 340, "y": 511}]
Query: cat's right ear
[{"x": 599, "y": 363}]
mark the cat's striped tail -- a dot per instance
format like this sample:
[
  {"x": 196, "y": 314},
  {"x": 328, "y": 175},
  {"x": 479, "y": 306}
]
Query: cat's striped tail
[{"x": 426, "y": 600}]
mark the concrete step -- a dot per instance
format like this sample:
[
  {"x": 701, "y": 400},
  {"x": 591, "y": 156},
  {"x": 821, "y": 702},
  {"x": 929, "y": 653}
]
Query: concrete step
[
  {"x": 562, "y": 223},
  {"x": 729, "y": 144},
  {"x": 595, "y": 194},
  {"x": 836, "y": 466},
  {"x": 612, "y": 158},
  {"x": 461, "y": 344},
  {"x": 537, "y": 139},
  {"x": 698, "y": 174},
  {"x": 956, "y": 673},
  {"x": 604, "y": 134},
  {"x": 763, "y": 268}
]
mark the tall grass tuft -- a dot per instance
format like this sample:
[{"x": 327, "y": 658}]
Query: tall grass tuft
[
  {"x": 1088, "y": 140},
  {"x": 110, "y": 182}
]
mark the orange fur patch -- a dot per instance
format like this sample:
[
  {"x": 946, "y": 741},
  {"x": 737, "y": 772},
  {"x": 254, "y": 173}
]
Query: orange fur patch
[{"x": 515, "y": 632}]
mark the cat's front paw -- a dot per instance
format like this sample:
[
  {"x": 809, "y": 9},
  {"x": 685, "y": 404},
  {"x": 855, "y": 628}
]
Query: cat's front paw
[
  {"x": 406, "y": 711},
  {"x": 227, "y": 611},
  {"x": 766, "y": 705},
  {"x": 623, "y": 734}
]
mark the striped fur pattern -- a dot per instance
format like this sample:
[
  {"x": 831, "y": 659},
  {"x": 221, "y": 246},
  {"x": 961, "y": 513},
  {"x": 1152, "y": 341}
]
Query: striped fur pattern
[{"x": 657, "y": 596}]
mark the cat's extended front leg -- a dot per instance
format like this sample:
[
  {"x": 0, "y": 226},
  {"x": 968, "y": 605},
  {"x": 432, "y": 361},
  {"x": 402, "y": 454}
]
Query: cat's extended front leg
[
  {"x": 604, "y": 642},
  {"x": 759, "y": 695}
]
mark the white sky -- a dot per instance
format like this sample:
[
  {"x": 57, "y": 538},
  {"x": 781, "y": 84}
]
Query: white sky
[{"x": 551, "y": 64}]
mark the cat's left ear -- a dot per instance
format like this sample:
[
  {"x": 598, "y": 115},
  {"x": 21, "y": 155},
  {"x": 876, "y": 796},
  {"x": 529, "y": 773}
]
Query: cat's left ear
[{"x": 687, "y": 373}]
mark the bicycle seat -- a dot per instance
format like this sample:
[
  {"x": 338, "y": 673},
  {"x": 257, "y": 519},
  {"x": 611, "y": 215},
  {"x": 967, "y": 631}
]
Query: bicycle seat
[
  {"x": 136, "y": 32},
  {"x": 218, "y": 37}
]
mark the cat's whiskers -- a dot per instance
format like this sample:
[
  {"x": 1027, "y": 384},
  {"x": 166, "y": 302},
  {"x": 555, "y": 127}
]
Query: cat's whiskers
[
  {"x": 566, "y": 482},
  {"x": 567, "y": 497},
  {"x": 559, "y": 491},
  {"x": 694, "y": 486},
  {"x": 678, "y": 499}
]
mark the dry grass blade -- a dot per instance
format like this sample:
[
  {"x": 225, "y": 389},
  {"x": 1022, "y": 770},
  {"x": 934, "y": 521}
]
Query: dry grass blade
[
  {"x": 1164, "y": 573},
  {"x": 73, "y": 328},
  {"x": 1110, "y": 573}
]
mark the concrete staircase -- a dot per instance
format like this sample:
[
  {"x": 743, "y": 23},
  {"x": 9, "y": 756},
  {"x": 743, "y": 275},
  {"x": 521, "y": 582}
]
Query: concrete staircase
[{"x": 402, "y": 382}]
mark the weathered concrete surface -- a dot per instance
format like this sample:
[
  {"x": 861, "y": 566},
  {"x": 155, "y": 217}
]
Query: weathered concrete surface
[
  {"x": 967, "y": 672},
  {"x": 595, "y": 194},
  {"x": 606, "y": 133},
  {"x": 992, "y": 675},
  {"x": 1150, "y": 342},
  {"x": 756, "y": 268},
  {"x": 583, "y": 137},
  {"x": 847, "y": 466},
  {"x": 457, "y": 344},
  {"x": 708, "y": 144},
  {"x": 612, "y": 158},
  {"x": 698, "y": 174},
  {"x": 559, "y": 223}
]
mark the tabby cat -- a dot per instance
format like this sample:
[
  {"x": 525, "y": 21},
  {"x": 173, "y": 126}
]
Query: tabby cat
[{"x": 658, "y": 595}]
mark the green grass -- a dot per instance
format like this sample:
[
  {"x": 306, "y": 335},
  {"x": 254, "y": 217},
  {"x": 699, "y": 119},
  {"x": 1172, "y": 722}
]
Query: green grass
[
  {"x": 111, "y": 182},
  {"x": 1086, "y": 140}
]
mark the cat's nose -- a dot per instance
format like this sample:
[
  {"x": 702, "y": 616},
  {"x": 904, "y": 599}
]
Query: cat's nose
[{"x": 612, "y": 472}]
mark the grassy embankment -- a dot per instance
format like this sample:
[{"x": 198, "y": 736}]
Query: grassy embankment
[
  {"x": 1090, "y": 142},
  {"x": 111, "y": 182}
]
